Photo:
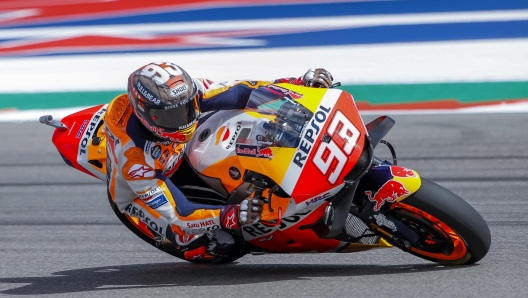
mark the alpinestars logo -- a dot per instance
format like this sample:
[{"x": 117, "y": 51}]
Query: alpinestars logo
[
  {"x": 231, "y": 221},
  {"x": 141, "y": 171}
]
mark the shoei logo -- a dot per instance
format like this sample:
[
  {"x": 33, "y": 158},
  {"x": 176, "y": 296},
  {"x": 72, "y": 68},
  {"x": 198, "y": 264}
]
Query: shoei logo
[{"x": 179, "y": 90}]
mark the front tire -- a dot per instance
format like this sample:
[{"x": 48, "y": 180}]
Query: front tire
[{"x": 451, "y": 231}]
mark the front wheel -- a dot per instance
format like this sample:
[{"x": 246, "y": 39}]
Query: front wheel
[{"x": 451, "y": 231}]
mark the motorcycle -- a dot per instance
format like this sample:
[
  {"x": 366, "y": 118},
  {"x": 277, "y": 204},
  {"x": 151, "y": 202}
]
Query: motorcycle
[{"x": 307, "y": 153}]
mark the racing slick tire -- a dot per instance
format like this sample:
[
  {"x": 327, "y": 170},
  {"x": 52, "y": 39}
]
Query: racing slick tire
[{"x": 452, "y": 232}]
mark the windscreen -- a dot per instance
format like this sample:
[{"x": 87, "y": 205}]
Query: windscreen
[{"x": 283, "y": 118}]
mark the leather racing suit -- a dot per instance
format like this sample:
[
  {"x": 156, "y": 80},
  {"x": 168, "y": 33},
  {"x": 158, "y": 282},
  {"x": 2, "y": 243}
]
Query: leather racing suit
[{"x": 139, "y": 166}]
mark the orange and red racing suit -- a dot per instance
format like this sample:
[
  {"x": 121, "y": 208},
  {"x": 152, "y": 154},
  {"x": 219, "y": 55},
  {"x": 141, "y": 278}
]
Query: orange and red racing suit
[{"x": 139, "y": 164}]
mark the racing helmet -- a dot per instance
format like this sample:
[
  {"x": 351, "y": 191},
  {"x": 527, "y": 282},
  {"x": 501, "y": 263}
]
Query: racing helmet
[{"x": 165, "y": 99}]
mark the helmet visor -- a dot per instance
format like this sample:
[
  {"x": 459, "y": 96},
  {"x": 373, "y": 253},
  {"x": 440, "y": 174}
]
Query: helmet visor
[{"x": 179, "y": 116}]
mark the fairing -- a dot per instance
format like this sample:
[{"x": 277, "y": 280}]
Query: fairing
[
  {"x": 304, "y": 139},
  {"x": 76, "y": 144}
]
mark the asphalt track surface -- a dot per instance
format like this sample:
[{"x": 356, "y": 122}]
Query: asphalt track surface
[{"x": 58, "y": 236}]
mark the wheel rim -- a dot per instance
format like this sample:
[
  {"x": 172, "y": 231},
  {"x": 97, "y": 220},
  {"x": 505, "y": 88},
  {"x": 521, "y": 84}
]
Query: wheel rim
[{"x": 437, "y": 240}]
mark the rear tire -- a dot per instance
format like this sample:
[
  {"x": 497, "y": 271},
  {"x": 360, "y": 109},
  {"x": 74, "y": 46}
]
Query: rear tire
[{"x": 445, "y": 217}]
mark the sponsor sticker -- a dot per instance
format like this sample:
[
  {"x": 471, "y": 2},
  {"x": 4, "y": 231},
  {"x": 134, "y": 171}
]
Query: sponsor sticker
[
  {"x": 141, "y": 106},
  {"x": 178, "y": 90},
  {"x": 157, "y": 202},
  {"x": 318, "y": 198},
  {"x": 222, "y": 134},
  {"x": 147, "y": 146},
  {"x": 253, "y": 151},
  {"x": 155, "y": 224},
  {"x": 81, "y": 129},
  {"x": 173, "y": 161},
  {"x": 155, "y": 152},
  {"x": 139, "y": 171},
  {"x": 257, "y": 230},
  {"x": 310, "y": 134},
  {"x": 234, "y": 173},
  {"x": 401, "y": 172},
  {"x": 266, "y": 238},
  {"x": 165, "y": 156},
  {"x": 147, "y": 94},
  {"x": 149, "y": 193},
  {"x": 390, "y": 192},
  {"x": 201, "y": 224},
  {"x": 90, "y": 130},
  {"x": 259, "y": 141},
  {"x": 185, "y": 239},
  {"x": 235, "y": 135}
]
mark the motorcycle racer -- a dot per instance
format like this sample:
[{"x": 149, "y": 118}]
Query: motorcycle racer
[{"x": 147, "y": 129}]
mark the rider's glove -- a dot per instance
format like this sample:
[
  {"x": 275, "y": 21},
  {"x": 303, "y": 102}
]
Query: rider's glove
[
  {"x": 317, "y": 77},
  {"x": 247, "y": 212}
]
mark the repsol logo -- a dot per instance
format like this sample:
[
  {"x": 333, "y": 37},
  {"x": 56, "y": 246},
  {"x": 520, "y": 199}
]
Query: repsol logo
[
  {"x": 235, "y": 135},
  {"x": 134, "y": 211},
  {"x": 311, "y": 133},
  {"x": 90, "y": 131},
  {"x": 258, "y": 229}
]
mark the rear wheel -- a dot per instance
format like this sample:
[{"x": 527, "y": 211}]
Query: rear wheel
[{"x": 451, "y": 231}]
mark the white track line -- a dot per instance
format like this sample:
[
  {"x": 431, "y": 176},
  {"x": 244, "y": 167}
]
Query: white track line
[
  {"x": 521, "y": 107},
  {"x": 424, "y": 62}
]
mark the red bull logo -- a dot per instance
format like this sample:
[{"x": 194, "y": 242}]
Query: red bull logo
[
  {"x": 173, "y": 137},
  {"x": 388, "y": 192},
  {"x": 254, "y": 151},
  {"x": 401, "y": 172},
  {"x": 264, "y": 152}
]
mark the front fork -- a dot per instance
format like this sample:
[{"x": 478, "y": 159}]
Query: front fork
[{"x": 383, "y": 186}]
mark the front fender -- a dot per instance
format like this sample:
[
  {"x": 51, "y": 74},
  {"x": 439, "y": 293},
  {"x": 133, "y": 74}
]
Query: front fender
[{"x": 385, "y": 184}]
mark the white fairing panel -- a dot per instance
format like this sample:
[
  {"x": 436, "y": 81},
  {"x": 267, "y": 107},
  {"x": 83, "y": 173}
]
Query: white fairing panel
[{"x": 214, "y": 140}]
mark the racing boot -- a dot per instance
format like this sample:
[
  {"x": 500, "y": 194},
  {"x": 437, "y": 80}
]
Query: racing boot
[{"x": 222, "y": 243}]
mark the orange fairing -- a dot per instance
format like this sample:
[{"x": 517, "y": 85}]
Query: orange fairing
[{"x": 287, "y": 237}]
